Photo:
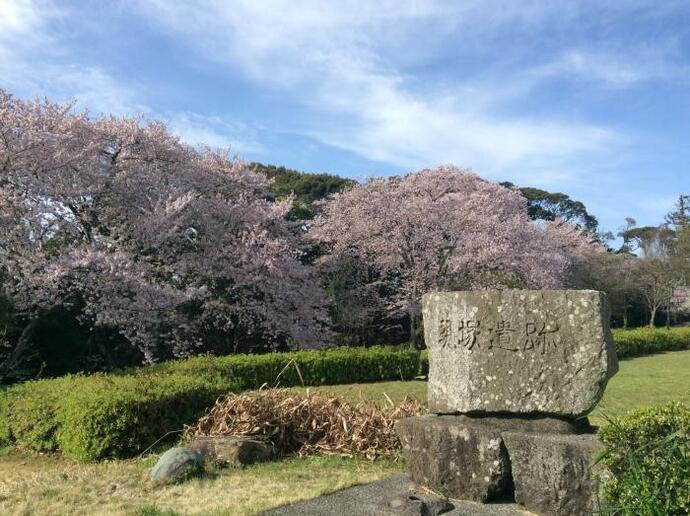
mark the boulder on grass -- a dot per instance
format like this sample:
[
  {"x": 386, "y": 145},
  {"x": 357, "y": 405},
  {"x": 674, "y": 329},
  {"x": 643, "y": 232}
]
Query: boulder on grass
[
  {"x": 177, "y": 464},
  {"x": 233, "y": 451}
]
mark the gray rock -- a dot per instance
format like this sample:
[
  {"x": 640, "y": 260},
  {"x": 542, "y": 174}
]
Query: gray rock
[
  {"x": 524, "y": 423},
  {"x": 365, "y": 500},
  {"x": 177, "y": 463},
  {"x": 518, "y": 351},
  {"x": 553, "y": 474},
  {"x": 413, "y": 503},
  {"x": 233, "y": 451},
  {"x": 455, "y": 457}
]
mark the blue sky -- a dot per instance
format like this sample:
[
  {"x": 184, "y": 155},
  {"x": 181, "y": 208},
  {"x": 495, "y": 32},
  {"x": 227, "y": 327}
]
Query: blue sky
[{"x": 589, "y": 98}]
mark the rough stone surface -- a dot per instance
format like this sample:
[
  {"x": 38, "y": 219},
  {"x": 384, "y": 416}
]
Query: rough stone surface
[
  {"x": 518, "y": 351},
  {"x": 524, "y": 423},
  {"x": 455, "y": 457},
  {"x": 177, "y": 463},
  {"x": 233, "y": 451},
  {"x": 366, "y": 499},
  {"x": 412, "y": 503},
  {"x": 553, "y": 474}
]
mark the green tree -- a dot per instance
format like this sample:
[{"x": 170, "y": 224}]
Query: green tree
[
  {"x": 544, "y": 205},
  {"x": 306, "y": 188}
]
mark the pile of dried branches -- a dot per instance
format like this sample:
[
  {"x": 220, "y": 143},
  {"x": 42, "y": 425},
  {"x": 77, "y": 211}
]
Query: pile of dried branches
[{"x": 306, "y": 423}]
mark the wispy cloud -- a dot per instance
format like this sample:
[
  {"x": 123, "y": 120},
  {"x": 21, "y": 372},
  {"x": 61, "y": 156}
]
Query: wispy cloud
[
  {"x": 341, "y": 59},
  {"x": 22, "y": 26},
  {"x": 215, "y": 132},
  {"x": 617, "y": 70},
  {"x": 31, "y": 61}
]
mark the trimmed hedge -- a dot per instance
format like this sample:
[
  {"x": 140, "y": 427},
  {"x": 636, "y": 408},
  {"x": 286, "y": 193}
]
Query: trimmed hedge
[
  {"x": 329, "y": 367},
  {"x": 645, "y": 341},
  {"x": 101, "y": 416},
  {"x": 121, "y": 416},
  {"x": 31, "y": 408},
  {"x": 118, "y": 415},
  {"x": 647, "y": 453}
]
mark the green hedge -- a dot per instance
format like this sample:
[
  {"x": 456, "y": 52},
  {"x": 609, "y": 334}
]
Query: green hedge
[
  {"x": 121, "y": 416},
  {"x": 645, "y": 341},
  {"x": 100, "y": 416},
  {"x": 328, "y": 367},
  {"x": 117, "y": 415},
  {"x": 647, "y": 453},
  {"x": 30, "y": 412}
]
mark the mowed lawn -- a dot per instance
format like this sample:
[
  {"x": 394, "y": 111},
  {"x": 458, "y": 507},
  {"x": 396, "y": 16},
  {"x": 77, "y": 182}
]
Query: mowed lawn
[{"x": 51, "y": 484}]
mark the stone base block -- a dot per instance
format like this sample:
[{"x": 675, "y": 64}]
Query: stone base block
[
  {"x": 546, "y": 461},
  {"x": 456, "y": 457},
  {"x": 232, "y": 451},
  {"x": 553, "y": 474}
]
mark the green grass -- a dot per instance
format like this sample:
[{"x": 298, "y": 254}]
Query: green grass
[
  {"x": 32, "y": 484},
  {"x": 640, "y": 382}
]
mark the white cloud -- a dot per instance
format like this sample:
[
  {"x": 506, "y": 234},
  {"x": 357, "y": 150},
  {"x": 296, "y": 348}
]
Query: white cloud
[
  {"x": 22, "y": 17},
  {"x": 22, "y": 26},
  {"x": 352, "y": 64},
  {"x": 615, "y": 70},
  {"x": 31, "y": 61},
  {"x": 215, "y": 132},
  {"x": 341, "y": 59}
]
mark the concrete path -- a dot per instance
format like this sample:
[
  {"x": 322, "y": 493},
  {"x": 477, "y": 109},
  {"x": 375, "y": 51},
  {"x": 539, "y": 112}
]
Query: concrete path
[{"x": 365, "y": 500}]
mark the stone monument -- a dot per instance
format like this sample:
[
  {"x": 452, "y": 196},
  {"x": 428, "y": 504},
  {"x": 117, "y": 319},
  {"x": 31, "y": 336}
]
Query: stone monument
[{"x": 512, "y": 376}]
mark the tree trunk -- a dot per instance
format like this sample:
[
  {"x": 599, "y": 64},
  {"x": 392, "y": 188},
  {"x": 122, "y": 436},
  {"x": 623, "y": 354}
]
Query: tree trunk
[
  {"x": 668, "y": 318},
  {"x": 413, "y": 330},
  {"x": 102, "y": 349},
  {"x": 625, "y": 316},
  {"x": 652, "y": 317},
  {"x": 11, "y": 363}
]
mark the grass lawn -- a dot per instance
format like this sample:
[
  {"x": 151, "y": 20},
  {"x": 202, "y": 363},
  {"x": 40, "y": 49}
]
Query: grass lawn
[
  {"x": 51, "y": 484},
  {"x": 32, "y": 484},
  {"x": 641, "y": 381}
]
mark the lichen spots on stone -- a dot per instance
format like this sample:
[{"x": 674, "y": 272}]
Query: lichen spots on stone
[{"x": 506, "y": 343}]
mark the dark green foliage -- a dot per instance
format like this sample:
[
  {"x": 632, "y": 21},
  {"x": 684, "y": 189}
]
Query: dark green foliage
[
  {"x": 647, "y": 452},
  {"x": 646, "y": 341},
  {"x": 543, "y": 205},
  {"x": 307, "y": 188},
  {"x": 329, "y": 367},
  {"x": 424, "y": 363}
]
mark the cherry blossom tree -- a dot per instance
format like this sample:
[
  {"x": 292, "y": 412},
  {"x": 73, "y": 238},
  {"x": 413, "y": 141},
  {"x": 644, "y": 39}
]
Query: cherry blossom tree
[
  {"x": 165, "y": 242},
  {"x": 447, "y": 229}
]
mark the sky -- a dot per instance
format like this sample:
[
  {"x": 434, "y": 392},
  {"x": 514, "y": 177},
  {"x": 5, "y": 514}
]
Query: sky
[{"x": 588, "y": 98}]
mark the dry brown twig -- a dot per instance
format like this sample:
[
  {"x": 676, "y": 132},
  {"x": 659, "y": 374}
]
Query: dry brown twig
[{"x": 307, "y": 423}]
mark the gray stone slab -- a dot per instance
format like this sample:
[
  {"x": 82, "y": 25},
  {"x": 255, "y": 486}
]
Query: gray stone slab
[
  {"x": 518, "y": 351},
  {"x": 366, "y": 499},
  {"x": 232, "y": 451},
  {"x": 553, "y": 474},
  {"x": 455, "y": 457}
]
